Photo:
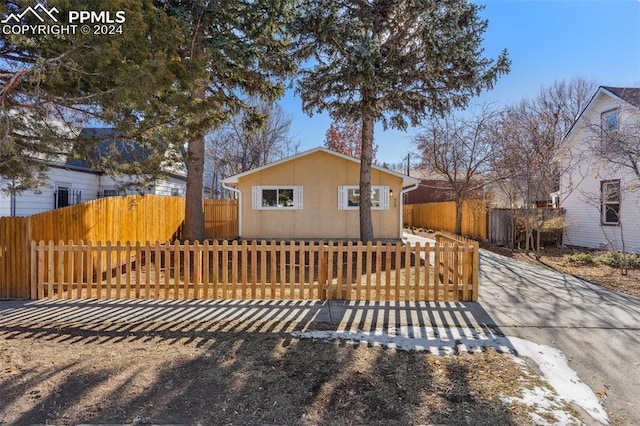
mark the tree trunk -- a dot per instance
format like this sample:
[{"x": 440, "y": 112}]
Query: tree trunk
[
  {"x": 366, "y": 159},
  {"x": 458, "y": 225},
  {"x": 194, "y": 215}
]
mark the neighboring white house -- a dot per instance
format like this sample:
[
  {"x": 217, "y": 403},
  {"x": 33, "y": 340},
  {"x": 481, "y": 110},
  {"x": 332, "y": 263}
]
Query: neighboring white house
[
  {"x": 601, "y": 198},
  {"x": 71, "y": 181}
]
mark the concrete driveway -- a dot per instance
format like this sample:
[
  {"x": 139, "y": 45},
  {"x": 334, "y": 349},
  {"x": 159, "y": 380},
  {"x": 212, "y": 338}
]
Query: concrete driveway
[{"x": 597, "y": 330}]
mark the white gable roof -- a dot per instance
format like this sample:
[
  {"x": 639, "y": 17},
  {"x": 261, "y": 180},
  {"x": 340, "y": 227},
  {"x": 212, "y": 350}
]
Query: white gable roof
[{"x": 407, "y": 180}]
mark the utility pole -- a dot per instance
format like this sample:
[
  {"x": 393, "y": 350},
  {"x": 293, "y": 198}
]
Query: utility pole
[{"x": 408, "y": 163}]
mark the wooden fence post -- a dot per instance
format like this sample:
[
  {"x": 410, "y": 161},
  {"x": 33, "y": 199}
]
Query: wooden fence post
[{"x": 325, "y": 294}]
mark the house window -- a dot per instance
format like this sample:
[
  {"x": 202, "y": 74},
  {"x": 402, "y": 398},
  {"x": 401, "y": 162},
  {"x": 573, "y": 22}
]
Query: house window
[
  {"x": 175, "y": 192},
  {"x": 62, "y": 197},
  {"x": 609, "y": 125},
  {"x": 349, "y": 197},
  {"x": 277, "y": 197},
  {"x": 610, "y": 198},
  {"x": 109, "y": 192},
  {"x": 65, "y": 196},
  {"x": 610, "y": 122}
]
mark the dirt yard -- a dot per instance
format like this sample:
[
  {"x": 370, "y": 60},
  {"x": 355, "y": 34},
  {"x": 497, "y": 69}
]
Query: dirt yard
[
  {"x": 140, "y": 375},
  {"x": 605, "y": 276},
  {"x": 557, "y": 258}
]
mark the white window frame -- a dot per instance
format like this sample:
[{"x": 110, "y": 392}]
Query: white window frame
[
  {"x": 343, "y": 197},
  {"x": 608, "y": 202},
  {"x": 257, "y": 197}
]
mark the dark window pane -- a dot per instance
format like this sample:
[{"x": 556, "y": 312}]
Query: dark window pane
[
  {"x": 269, "y": 197},
  {"x": 611, "y": 213},
  {"x": 62, "y": 197}
]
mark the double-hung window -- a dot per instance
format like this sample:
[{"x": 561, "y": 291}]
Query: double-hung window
[
  {"x": 610, "y": 199},
  {"x": 277, "y": 197},
  {"x": 349, "y": 197}
]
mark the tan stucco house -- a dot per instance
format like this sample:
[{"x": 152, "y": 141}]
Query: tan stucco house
[{"x": 315, "y": 195}]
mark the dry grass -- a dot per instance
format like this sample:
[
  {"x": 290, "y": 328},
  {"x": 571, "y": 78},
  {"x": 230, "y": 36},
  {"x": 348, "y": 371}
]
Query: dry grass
[
  {"x": 556, "y": 258},
  {"x": 75, "y": 375},
  {"x": 602, "y": 275}
]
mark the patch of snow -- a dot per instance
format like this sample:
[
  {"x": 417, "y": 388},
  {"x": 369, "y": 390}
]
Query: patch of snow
[
  {"x": 544, "y": 403},
  {"x": 555, "y": 369},
  {"x": 551, "y": 362}
]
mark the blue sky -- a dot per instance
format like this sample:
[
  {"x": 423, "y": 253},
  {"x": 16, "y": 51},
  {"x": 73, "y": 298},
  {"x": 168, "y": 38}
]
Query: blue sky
[{"x": 547, "y": 40}]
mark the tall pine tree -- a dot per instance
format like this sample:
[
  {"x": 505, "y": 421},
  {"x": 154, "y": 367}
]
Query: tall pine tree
[
  {"x": 392, "y": 61},
  {"x": 236, "y": 48}
]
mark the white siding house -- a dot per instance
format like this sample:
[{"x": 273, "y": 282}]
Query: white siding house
[
  {"x": 601, "y": 198},
  {"x": 71, "y": 182}
]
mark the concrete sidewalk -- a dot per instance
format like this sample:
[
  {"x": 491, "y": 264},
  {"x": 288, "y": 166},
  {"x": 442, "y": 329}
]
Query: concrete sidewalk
[{"x": 417, "y": 318}]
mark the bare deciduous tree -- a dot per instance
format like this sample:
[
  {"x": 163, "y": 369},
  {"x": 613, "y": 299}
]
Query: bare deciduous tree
[
  {"x": 258, "y": 135},
  {"x": 529, "y": 134},
  {"x": 461, "y": 150}
]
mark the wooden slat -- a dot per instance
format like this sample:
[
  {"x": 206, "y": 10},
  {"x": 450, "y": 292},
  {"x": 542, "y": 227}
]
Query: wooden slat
[
  {"x": 333, "y": 292},
  {"x": 416, "y": 273},
  {"x": 378, "y": 282},
  {"x": 283, "y": 268},
  {"x": 367, "y": 254},
  {"x": 302, "y": 282},
  {"x": 206, "y": 278},
  {"x": 99, "y": 269},
  {"x": 359, "y": 252},
  {"x": 292, "y": 272},
  {"x": 225, "y": 269},
  {"x": 349, "y": 270},
  {"x": 71, "y": 260},
  {"x": 88, "y": 257},
  {"x": 156, "y": 258},
  {"x": 34, "y": 270},
  {"x": 186, "y": 265},
  {"x": 50, "y": 270},
  {"x": 244, "y": 264},
  {"x": 41, "y": 254},
  {"x": 215, "y": 272},
  {"x": 398, "y": 268},
  {"x": 234, "y": 270},
  {"x": 273, "y": 278},
  {"x": 387, "y": 271},
  {"x": 109, "y": 268},
  {"x": 263, "y": 269},
  {"x": 254, "y": 253}
]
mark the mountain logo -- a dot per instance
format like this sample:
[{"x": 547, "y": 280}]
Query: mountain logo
[{"x": 38, "y": 11}]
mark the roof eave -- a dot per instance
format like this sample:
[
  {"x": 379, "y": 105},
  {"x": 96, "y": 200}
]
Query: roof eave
[{"x": 231, "y": 180}]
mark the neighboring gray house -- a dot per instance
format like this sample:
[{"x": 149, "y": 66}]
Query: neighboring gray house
[
  {"x": 72, "y": 181},
  {"x": 601, "y": 198}
]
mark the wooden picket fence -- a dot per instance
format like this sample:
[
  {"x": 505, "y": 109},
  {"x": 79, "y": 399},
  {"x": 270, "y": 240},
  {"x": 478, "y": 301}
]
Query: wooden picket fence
[{"x": 255, "y": 270}]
